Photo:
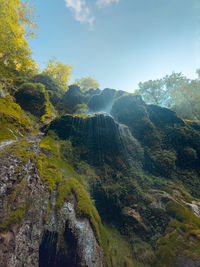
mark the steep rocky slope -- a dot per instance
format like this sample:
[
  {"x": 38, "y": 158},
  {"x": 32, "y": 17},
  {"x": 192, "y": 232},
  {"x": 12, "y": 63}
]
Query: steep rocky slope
[
  {"x": 98, "y": 189},
  {"x": 47, "y": 218}
]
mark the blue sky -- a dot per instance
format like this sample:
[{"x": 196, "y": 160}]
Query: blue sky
[{"x": 119, "y": 42}]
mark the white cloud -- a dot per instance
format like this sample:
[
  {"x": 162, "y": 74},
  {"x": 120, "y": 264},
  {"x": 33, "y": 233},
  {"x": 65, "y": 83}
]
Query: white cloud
[
  {"x": 81, "y": 11},
  {"x": 104, "y": 3}
]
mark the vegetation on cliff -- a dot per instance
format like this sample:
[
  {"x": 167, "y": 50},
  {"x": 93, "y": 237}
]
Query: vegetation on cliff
[{"x": 132, "y": 167}]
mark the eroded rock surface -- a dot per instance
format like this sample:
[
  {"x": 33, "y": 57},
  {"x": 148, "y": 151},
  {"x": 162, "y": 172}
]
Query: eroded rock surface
[{"x": 31, "y": 224}]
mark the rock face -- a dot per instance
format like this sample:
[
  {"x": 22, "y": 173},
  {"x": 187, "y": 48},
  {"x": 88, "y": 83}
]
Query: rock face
[
  {"x": 103, "y": 101},
  {"x": 137, "y": 170},
  {"x": 70, "y": 241},
  {"x": 143, "y": 120},
  {"x": 31, "y": 97},
  {"x": 32, "y": 233},
  {"x": 71, "y": 98},
  {"x": 23, "y": 207},
  {"x": 100, "y": 139}
]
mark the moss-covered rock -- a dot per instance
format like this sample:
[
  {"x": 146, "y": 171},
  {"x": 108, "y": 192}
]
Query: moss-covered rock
[
  {"x": 138, "y": 171},
  {"x": 14, "y": 217},
  {"x": 31, "y": 98},
  {"x": 14, "y": 123},
  {"x": 99, "y": 138},
  {"x": 54, "y": 91},
  {"x": 73, "y": 97},
  {"x": 180, "y": 239},
  {"x": 131, "y": 111}
]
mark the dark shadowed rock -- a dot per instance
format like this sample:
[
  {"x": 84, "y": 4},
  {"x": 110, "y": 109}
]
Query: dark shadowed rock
[
  {"x": 103, "y": 101},
  {"x": 100, "y": 139},
  {"x": 31, "y": 97},
  {"x": 71, "y": 98}
]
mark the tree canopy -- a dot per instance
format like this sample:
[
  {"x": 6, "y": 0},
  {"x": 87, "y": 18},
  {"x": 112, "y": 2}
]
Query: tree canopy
[
  {"x": 16, "y": 26},
  {"x": 59, "y": 72},
  {"x": 87, "y": 83},
  {"x": 174, "y": 91}
]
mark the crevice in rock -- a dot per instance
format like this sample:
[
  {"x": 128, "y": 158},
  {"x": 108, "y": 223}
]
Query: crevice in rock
[{"x": 58, "y": 249}]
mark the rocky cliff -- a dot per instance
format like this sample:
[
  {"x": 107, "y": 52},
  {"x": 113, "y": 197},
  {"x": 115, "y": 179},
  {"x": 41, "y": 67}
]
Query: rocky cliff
[{"x": 119, "y": 188}]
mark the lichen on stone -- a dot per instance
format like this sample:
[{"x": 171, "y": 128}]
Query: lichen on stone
[{"x": 15, "y": 217}]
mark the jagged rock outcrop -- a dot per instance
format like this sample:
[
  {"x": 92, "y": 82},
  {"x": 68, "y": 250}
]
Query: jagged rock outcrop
[
  {"x": 24, "y": 200},
  {"x": 33, "y": 232},
  {"x": 102, "y": 102},
  {"x": 144, "y": 121},
  {"x": 71, "y": 99},
  {"x": 139, "y": 168},
  {"x": 69, "y": 241}
]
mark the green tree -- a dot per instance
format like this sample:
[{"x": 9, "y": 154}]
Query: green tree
[
  {"x": 174, "y": 91},
  {"x": 16, "y": 26},
  {"x": 152, "y": 91},
  {"x": 59, "y": 72},
  {"x": 198, "y": 73},
  {"x": 187, "y": 101},
  {"x": 87, "y": 83}
]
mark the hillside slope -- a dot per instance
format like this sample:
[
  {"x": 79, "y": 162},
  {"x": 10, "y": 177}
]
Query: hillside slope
[{"x": 79, "y": 188}]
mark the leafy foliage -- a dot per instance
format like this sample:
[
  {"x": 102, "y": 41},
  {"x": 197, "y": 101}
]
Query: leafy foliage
[
  {"x": 59, "y": 72},
  {"x": 87, "y": 83},
  {"x": 174, "y": 91},
  {"x": 16, "y": 24}
]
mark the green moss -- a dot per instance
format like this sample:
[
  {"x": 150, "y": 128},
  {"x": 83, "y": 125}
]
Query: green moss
[
  {"x": 30, "y": 97},
  {"x": 81, "y": 108},
  {"x": 15, "y": 217},
  {"x": 48, "y": 171},
  {"x": 10, "y": 108},
  {"x": 5, "y": 133},
  {"x": 83, "y": 116},
  {"x": 164, "y": 161},
  {"x": 182, "y": 214},
  {"x": 20, "y": 150},
  {"x": 17, "y": 190},
  {"x": 49, "y": 109},
  {"x": 51, "y": 165},
  {"x": 178, "y": 187},
  {"x": 176, "y": 241},
  {"x": 122, "y": 253},
  {"x": 14, "y": 123},
  {"x": 84, "y": 208},
  {"x": 47, "y": 163}
]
